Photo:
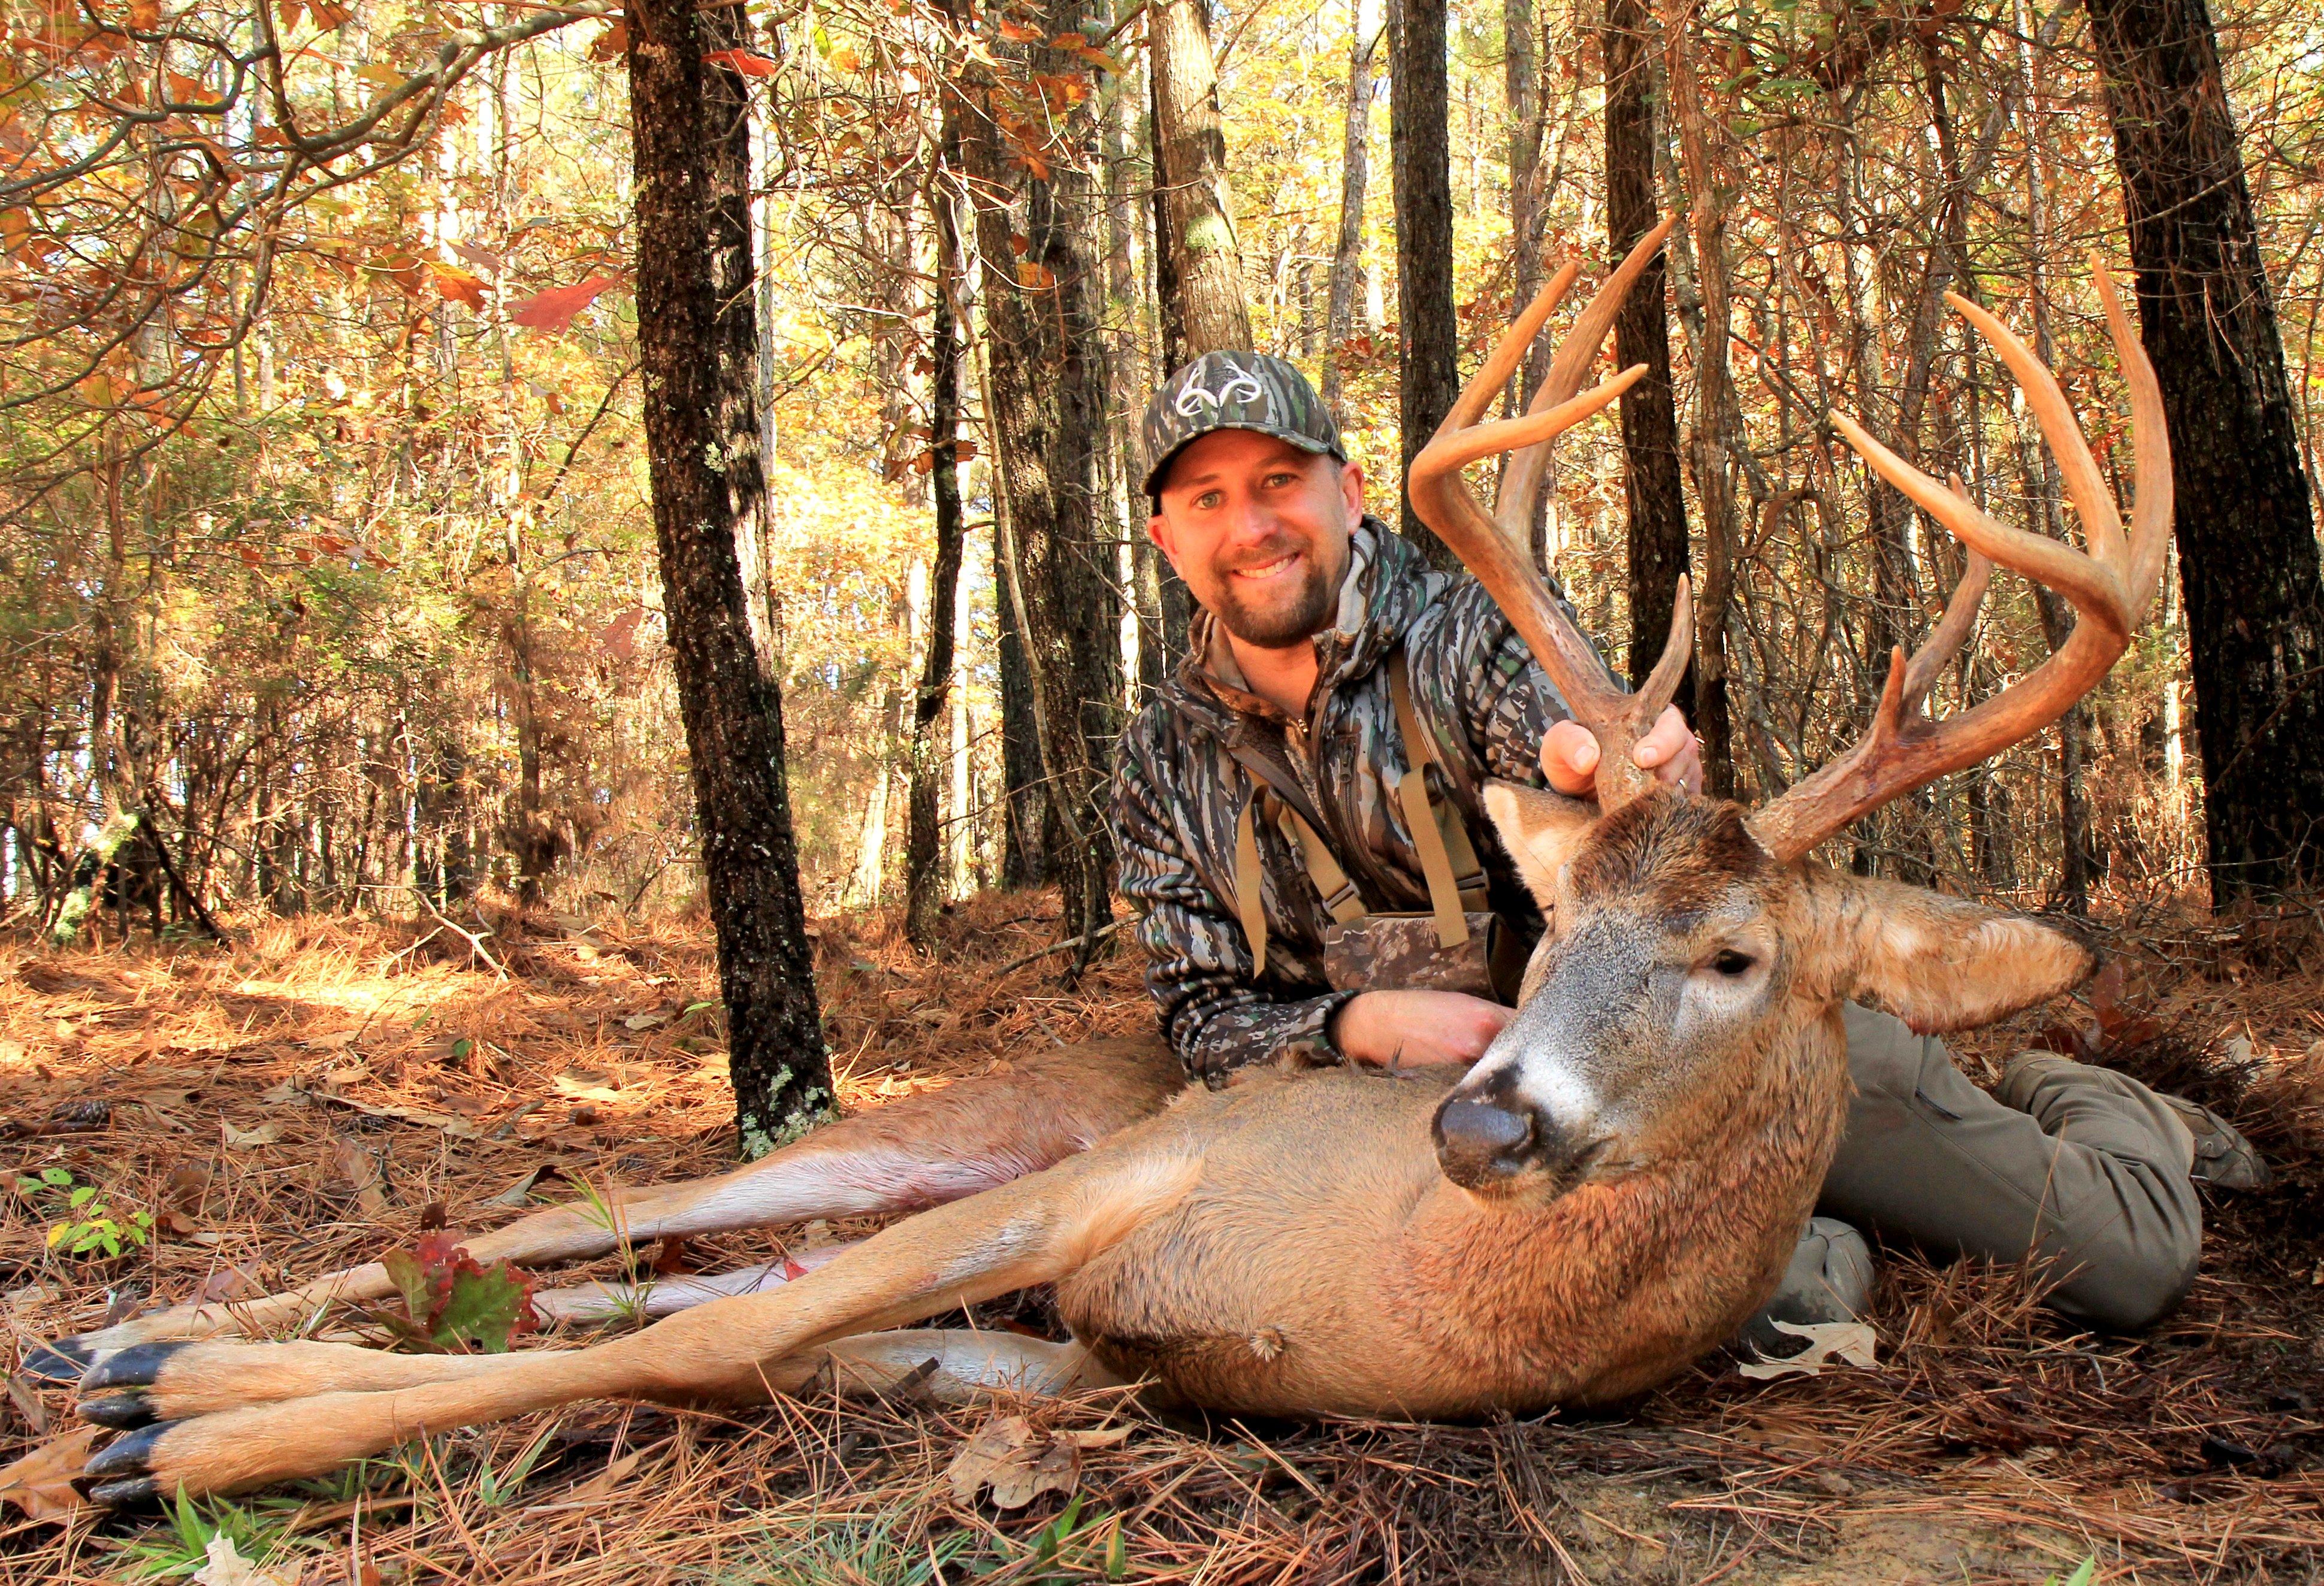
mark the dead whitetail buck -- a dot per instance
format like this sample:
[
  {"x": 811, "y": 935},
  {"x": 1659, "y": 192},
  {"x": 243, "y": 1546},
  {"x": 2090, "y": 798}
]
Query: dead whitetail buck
[{"x": 1608, "y": 1194}]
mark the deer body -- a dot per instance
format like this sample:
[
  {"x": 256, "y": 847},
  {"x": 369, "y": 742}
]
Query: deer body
[{"x": 1605, "y": 1194}]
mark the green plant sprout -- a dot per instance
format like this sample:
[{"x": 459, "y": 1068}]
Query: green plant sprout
[{"x": 90, "y": 1225}]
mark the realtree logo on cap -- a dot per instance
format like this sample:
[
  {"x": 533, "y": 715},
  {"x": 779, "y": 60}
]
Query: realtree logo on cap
[{"x": 1235, "y": 391}]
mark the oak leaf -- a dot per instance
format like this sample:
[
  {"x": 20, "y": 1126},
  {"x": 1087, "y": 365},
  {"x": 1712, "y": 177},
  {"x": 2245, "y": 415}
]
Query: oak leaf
[
  {"x": 554, "y": 308},
  {"x": 748, "y": 63}
]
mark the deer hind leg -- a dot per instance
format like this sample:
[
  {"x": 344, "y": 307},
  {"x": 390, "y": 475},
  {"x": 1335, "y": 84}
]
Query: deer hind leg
[
  {"x": 1031, "y": 1231},
  {"x": 923, "y": 1150}
]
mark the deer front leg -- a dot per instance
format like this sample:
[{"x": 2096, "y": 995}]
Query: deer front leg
[
  {"x": 1032, "y": 1231},
  {"x": 923, "y": 1149}
]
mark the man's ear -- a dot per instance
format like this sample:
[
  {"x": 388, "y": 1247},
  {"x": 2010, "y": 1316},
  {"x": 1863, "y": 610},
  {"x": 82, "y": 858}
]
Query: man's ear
[
  {"x": 1352, "y": 491},
  {"x": 1157, "y": 530},
  {"x": 1540, "y": 829},
  {"x": 1939, "y": 963}
]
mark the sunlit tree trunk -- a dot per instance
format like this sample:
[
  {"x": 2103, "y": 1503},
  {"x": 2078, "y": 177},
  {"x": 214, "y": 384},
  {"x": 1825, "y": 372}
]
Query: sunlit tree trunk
[
  {"x": 1355, "y": 171},
  {"x": 697, "y": 345}
]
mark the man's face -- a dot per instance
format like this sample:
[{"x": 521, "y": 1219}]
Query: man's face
[{"x": 1259, "y": 529}]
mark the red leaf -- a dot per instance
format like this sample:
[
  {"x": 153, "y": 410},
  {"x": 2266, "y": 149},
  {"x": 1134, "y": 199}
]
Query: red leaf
[
  {"x": 1018, "y": 33},
  {"x": 746, "y": 62},
  {"x": 613, "y": 43},
  {"x": 554, "y": 309}
]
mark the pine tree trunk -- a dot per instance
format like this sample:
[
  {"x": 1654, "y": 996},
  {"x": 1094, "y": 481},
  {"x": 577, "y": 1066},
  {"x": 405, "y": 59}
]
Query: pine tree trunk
[
  {"x": 697, "y": 345},
  {"x": 1046, "y": 397},
  {"x": 1190, "y": 155},
  {"x": 924, "y": 855},
  {"x": 1656, "y": 492},
  {"x": 1428, "y": 343},
  {"x": 2247, "y": 552}
]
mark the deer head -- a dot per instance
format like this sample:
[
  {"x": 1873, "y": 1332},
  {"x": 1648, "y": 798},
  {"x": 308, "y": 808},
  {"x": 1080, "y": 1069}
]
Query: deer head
[{"x": 1696, "y": 958}]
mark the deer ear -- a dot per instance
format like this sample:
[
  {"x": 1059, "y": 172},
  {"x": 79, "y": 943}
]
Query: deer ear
[
  {"x": 1540, "y": 831},
  {"x": 1939, "y": 963}
]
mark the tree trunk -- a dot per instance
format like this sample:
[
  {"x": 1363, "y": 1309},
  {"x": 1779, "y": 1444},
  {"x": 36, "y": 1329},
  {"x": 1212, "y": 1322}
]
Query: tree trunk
[
  {"x": 1046, "y": 396},
  {"x": 2248, "y": 553},
  {"x": 1657, "y": 496},
  {"x": 1707, "y": 442},
  {"x": 698, "y": 344},
  {"x": 1428, "y": 343},
  {"x": 1355, "y": 171},
  {"x": 924, "y": 855},
  {"x": 1190, "y": 157}
]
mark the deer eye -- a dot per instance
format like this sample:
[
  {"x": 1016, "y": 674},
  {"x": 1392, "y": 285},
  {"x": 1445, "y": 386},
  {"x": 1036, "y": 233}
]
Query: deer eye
[{"x": 1729, "y": 962}]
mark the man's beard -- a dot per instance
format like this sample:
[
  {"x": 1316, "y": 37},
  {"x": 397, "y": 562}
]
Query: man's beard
[{"x": 1282, "y": 626}]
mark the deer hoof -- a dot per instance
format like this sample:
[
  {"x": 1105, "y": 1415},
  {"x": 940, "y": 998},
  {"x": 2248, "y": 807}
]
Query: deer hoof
[
  {"x": 57, "y": 1365},
  {"x": 126, "y": 1462},
  {"x": 132, "y": 1494},
  {"x": 123, "y": 1412},
  {"x": 138, "y": 1366}
]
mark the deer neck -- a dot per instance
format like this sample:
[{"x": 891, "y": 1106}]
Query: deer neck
[{"x": 1620, "y": 1281}]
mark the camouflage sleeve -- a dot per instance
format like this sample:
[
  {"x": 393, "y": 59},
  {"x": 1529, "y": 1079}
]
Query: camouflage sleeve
[
  {"x": 1199, "y": 968},
  {"x": 1479, "y": 674}
]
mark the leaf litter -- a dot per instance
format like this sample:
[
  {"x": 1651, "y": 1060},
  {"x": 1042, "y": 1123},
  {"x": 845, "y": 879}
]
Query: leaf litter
[{"x": 2196, "y": 1453}]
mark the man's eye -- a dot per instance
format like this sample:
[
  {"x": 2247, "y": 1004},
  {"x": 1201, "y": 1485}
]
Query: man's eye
[{"x": 1207, "y": 500}]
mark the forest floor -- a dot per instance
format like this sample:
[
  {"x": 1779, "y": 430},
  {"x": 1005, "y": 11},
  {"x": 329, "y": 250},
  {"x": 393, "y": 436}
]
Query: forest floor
[{"x": 317, "y": 1092}]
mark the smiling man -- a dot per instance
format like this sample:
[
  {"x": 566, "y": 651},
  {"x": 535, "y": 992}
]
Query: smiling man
[{"x": 1302, "y": 827}]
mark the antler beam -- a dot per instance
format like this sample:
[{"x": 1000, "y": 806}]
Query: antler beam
[
  {"x": 1495, "y": 552},
  {"x": 2108, "y": 586}
]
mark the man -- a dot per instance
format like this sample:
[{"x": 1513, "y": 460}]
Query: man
[{"x": 1289, "y": 699}]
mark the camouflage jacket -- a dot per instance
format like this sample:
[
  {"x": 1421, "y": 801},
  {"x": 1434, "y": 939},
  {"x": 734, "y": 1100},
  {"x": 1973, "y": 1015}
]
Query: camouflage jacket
[{"x": 1178, "y": 790}]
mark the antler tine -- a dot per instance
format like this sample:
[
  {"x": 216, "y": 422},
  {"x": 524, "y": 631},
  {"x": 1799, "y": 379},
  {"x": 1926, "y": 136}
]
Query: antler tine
[
  {"x": 1527, "y": 473},
  {"x": 1443, "y": 502},
  {"x": 1953, "y": 629},
  {"x": 2108, "y": 588}
]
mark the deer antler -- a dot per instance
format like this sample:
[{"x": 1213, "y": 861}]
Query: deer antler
[
  {"x": 1497, "y": 556},
  {"x": 2108, "y": 587}
]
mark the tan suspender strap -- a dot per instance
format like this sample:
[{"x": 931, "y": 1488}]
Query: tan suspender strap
[
  {"x": 1340, "y": 899},
  {"x": 1435, "y": 864},
  {"x": 1468, "y": 872},
  {"x": 1247, "y": 883}
]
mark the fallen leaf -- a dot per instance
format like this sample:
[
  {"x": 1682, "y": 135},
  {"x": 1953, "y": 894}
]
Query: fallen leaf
[
  {"x": 520, "y": 1193},
  {"x": 646, "y": 1020},
  {"x": 359, "y": 1165},
  {"x": 248, "y": 1139},
  {"x": 1848, "y": 1343},
  {"x": 1016, "y": 1463},
  {"x": 227, "y": 1567},
  {"x": 41, "y": 1483}
]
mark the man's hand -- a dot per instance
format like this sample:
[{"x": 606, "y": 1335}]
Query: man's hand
[
  {"x": 1417, "y": 1027},
  {"x": 1569, "y": 756}
]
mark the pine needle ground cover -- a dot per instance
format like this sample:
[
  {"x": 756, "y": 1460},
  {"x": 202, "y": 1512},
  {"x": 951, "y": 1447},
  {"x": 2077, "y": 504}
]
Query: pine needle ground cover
[{"x": 320, "y": 1093}]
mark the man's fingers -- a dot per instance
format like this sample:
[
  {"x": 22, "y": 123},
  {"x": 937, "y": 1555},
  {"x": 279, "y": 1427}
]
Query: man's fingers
[
  {"x": 1569, "y": 758},
  {"x": 1670, "y": 734}
]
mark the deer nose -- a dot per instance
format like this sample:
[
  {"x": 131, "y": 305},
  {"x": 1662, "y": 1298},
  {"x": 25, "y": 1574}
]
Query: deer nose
[{"x": 1480, "y": 1140}]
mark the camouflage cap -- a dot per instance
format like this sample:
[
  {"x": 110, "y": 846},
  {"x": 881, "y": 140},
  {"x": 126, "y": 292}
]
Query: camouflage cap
[{"x": 1236, "y": 390}]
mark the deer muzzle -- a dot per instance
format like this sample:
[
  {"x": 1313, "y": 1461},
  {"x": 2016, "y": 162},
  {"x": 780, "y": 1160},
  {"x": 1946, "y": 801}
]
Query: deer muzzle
[{"x": 1495, "y": 1140}]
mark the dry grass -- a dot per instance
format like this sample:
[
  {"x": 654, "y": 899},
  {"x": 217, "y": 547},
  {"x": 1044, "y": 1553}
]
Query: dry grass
[{"x": 1991, "y": 1444}]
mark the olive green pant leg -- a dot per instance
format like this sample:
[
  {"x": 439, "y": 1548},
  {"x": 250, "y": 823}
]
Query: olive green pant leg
[{"x": 2089, "y": 1180}]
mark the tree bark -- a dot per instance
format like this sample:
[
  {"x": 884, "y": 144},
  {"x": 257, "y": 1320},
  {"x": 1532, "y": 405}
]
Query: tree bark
[
  {"x": 2247, "y": 552},
  {"x": 1355, "y": 173},
  {"x": 924, "y": 866},
  {"x": 1211, "y": 309},
  {"x": 1708, "y": 436},
  {"x": 1046, "y": 396},
  {"x": 697, "y": 345},
  {"x": 1428, "y": 343},
  {"x": 1655, "y": 490}
]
